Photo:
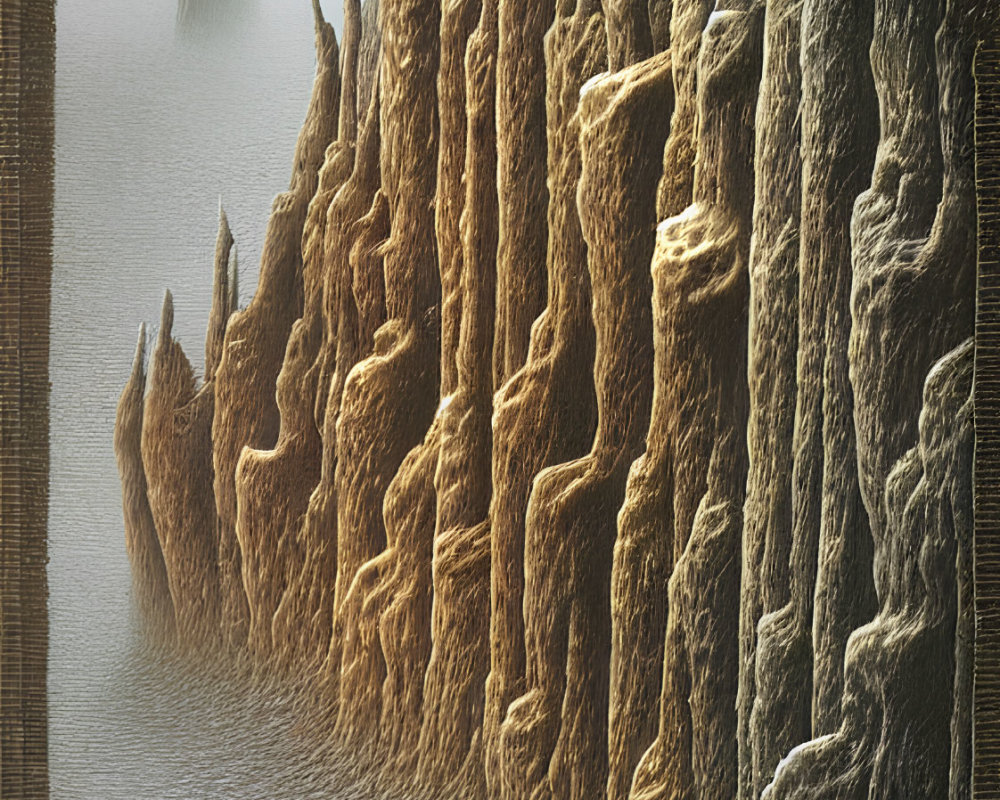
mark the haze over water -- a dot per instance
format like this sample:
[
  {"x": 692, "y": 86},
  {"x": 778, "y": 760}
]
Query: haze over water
[{"x": 154, "y": 122}]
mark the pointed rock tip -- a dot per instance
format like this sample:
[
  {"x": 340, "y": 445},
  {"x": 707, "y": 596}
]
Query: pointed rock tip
[
  {"x": 167, "y": 316},
  {"x": 140, "y": 351}
]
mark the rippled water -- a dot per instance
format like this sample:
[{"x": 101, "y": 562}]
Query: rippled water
[{"x": 155, "y": 121}]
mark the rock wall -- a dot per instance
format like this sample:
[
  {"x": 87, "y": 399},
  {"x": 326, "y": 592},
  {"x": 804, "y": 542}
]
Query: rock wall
[{"x": 621, "y": 438}]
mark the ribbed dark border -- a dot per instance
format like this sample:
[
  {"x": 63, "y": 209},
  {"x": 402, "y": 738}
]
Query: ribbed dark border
[
  {"x": 986, "y": 713},
  {"x": 27, "y": 85}
]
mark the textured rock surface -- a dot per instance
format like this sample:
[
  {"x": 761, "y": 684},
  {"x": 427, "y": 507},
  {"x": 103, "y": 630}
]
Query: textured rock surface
[
  {"x": 695, "y": 522},
  {"x": 177, "y": 460},
  {"x": 149, "y": 571},
  {"x": 545, "y": 414},
  {"x": 556, "y": 733},
  {"x": 773, "y": 342},
  {"x": 388, "y": 404},
  {"x": 246, "y": 412},
  {"x": 701, "y": 277},
  {"x": 451, "y": 737},
  {"x": 521, "y": 178},
  {"x": 800, "y": 644}
]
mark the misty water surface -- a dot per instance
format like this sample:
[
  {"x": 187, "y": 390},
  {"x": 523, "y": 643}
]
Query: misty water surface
[{"x": 155, "y": 122}]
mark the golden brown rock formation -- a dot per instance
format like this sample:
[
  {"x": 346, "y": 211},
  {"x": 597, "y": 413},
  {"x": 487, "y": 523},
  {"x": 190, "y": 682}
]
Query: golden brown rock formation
[
  {"x": 543, "y": 415},
  {"x": 246, "y": 413},
  {"x": 621, "y": 440},
  {"x": 149, "y": 571},
  {"x": 388, "y": 406},
  {"x": 451, "y": 737},
  {"x": 177, "y": 460}
]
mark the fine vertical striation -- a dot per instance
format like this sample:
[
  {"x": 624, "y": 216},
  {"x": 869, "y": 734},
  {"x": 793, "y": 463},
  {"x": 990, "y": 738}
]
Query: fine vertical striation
[
  {"x": 701, "y": 281},
  {"x": 629, "y": 36},
  {"x": 177, "y": 460},
  {"x": 451, "y": 736},
  {"x": 545, "y": 414},
  {"x": 388, "y": 405},
  {"x": 687, "y": 21},
  {"x": 521, "y": 179},
  {"x": 895, "y": 737},
  {"x": 150, "y": 585},
  {"x": 458, "y": 18},
  {"x": 246, "y": 413},
  {"x": 773, "y": 343},
  {"x": 558, "y": 728},
  {"x": 830, "y": 530},
  {"x": 225, "y": 298},
  {"x": 662, "y": 494}
]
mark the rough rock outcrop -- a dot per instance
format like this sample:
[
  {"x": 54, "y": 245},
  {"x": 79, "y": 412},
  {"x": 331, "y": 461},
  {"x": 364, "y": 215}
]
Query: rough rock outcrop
[
  {"x": 521, "y": 184},
  {"x": 451, "y": 737},
  {"x": 695, "y": 522},
  {"x": 388, "y": 405},
  {"x": 701, "y": 286},
  {"x": 177, "y": 460},
  {"x": 246, "y": 412},
  {"x": 797, "y": 671},
  {"x": 771, "y": 369},
  {"x": 544, "y": 415},
  {"x": 149, "y": 571},
  {"x": 556, "y": 733}
]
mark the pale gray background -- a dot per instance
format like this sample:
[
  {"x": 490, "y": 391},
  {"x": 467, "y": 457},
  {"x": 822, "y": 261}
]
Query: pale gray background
[{"x": 153, "y": 124}]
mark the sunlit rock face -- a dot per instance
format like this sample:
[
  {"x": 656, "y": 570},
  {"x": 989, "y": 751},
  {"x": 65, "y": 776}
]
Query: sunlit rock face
[{"x": 602, "y": 423}]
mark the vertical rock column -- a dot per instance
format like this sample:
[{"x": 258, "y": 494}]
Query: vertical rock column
[
  {"x": 544, "y": 415},
  {"x": 557, "y": 731},
  {"x": 687, "y": 21},
  {"x": 246, "y": 413},
  {"x": 177, "y": 459},
  {"x": 521, "y": 179},
  {"x": 458, "y": 19},
  {"x": 773, "y": 344},
  {"x": 348, "y": 184},
  {"x": 701, "y": 287},
  {"x": 914, "y": 261},
  {"x": 150, "y": 587},
  {"x": 798, "y": 677},
  {"x": 389, "y": 398},
  {"x": 644, "y": 553},
  {"x": 451, "y": 739},
  {"x": 629, "y": 36}
]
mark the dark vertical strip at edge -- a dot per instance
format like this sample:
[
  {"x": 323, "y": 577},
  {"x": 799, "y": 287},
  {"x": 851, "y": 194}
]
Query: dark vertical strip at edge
[
  {"x": 986, "y": 476},
  {"x": 27, "y": 78}
]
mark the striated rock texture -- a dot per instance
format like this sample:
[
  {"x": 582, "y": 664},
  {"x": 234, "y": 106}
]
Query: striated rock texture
[
  {"x": 151, "y": 587},
  {"x": 454, "y": 685},
  {"x": 771, "y": 368},
  {"x": 177, "y": 461},
  {"x": 555, "y": 735},
  {"x": 701, "y": 279},
  {"x": 602, "y": 425},
  {"x": 543, "y": 415},
  {"x": 246, "y": 412}
]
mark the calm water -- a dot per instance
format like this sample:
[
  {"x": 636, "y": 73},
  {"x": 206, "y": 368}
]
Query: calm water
[{"x": 155, "y": 122}]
